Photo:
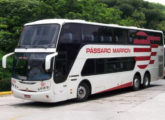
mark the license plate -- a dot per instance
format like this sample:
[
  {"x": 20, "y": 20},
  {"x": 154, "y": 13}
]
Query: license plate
[{"x": 27, "y": 96}]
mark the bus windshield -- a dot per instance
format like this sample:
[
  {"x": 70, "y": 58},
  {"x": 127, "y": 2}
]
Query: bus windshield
[
  {"x": 30, "y": 67},
  {"x": 44, "y": 35}
]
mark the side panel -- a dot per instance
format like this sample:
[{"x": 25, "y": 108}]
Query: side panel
[{"x": 105, "y": 81}]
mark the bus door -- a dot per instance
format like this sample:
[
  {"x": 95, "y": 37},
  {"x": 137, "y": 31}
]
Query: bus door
[{"x": 60, "y": 74}]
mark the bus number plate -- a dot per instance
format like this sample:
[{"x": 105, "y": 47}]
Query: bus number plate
[{"x": 27, "y": 96}]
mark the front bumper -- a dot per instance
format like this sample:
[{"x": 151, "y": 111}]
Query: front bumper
[{"x": 46, "y": 96}]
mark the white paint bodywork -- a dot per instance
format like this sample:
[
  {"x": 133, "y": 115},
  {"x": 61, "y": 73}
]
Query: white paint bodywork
[
  {"x": 164, "y": 61},
  {"x": 68, "y": 89},
  {"x": 35, "y": 50}
]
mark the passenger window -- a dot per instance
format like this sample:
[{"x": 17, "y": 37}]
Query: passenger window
[
  {"x": 100, "y": 67},
  {"x": 105, "y": 35},
  {"x": 89, "y": 33},
  {"x": 108, "y": 65},
  {"x": 67, "y": 37},
  {"x": 89, "y": 67},
  {"x": 157, "y": 38},
  {"x": 88, "y": 37},
  {"x": 70, "y": 33},
  {"x": 132, "y": 36},
  {"x": 120, "y": 35},
  {"x": 130, "y": 63}
]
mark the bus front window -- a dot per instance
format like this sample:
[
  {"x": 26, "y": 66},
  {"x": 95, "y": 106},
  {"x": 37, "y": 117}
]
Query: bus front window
[
  {"x": 30, "y": 67},
  {"x": 44, "y": 35}
]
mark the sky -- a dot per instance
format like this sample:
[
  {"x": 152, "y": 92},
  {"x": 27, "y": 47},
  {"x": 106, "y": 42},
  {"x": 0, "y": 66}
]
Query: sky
[{"x": 157, "y": 1}]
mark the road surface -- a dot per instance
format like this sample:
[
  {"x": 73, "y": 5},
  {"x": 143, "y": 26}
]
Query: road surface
[{"x": 124, "y": 104}]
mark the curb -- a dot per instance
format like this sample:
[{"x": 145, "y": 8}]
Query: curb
[{"x": 6, "y": 93}]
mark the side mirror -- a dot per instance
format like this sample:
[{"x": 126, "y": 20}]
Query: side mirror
[
  {"x": 4, "y": 59},
  {"x": 48, "y": 60}
]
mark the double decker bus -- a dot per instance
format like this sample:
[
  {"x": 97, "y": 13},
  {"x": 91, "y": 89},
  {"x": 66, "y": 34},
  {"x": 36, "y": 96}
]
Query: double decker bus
[
  {"x": 164, "y": 62},
  {"x": 60, "y": 59}
]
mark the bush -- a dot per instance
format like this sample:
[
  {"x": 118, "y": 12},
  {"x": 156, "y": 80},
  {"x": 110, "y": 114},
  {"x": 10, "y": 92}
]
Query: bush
[{"x": 5, "y": 75}]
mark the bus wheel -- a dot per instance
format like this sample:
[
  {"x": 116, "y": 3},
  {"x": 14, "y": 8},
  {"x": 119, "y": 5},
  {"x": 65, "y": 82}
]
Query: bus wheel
[
  {"x": 146, "y": 81},
  {"x": 82, "y": 92},
  {"x": 136, "y": 82}
]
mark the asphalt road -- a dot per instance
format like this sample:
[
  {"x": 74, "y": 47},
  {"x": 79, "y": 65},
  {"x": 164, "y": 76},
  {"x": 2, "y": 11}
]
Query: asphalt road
[{"x": 124, "y": 104}]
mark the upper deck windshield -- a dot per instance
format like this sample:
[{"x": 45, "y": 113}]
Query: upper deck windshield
[{"x": 42, "y": 35}]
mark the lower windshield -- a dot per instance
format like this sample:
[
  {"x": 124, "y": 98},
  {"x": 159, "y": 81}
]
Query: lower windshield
[
  {"x": 31, "y": 67},
  {"x": 44, "y": 35}
]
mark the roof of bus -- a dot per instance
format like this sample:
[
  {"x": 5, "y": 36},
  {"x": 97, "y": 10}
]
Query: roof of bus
[{"x": 62, "y": 21}]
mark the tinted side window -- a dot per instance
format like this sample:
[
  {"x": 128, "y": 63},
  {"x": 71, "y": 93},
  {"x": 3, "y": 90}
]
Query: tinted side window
[
  {"x": 128, "y": 64},
  {"x": 100, "y": 66},
  {"x": 71, "y": 33},
  {"x": 89, "y": 67},
  {"x": 132, "y": 36},
  {"x": 120, "y": 36},
  {"x": 144, "y": 38},
  {"x": 90, "y": 33},
  {"x": 105, "y": 35},
  {"x": 108, "y": 65},
  {"x": 156, "y": 38}
]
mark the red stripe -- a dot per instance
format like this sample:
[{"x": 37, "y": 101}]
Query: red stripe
[
  {"x": 142, "y": 66},
  {"x": 154, "y": 45},
  {"x": 142, "y": 49},
  {"x": 151, "y": 62},
  {"x": 118, "y": 87},
  {"x": 140, "y": 33},
  {"x": 153, "y": 54},
  {"x": 139, "y": 41},
  {"x": 142, "y": 58},
  {"x": 153, "y": 38}
]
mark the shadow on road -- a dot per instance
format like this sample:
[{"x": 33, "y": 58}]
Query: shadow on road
[{"x": 92, "y": 97}]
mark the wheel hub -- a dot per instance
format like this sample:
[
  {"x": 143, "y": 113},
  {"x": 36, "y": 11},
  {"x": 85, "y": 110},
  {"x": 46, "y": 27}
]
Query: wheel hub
[
  {"x": 146, "y": 81},
  {"x": 81, "y": 92},
  {"x": 136, "y": 82}
]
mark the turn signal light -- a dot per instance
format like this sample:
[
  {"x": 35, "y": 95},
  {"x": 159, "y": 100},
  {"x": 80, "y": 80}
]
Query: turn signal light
[{"x": 70, "y": 91}]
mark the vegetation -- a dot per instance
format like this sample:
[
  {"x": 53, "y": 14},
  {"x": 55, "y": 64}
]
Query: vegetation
[
  {"x": 5, "y": 74},
  {"x": 14, "y": 13}
]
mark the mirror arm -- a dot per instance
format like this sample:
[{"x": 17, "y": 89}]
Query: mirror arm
[
  {"x": 48, "y": 60},
  {"x": 4, "y": 58}
]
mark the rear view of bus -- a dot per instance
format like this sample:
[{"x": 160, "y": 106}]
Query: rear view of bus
[{"x": 59, "y": 59}]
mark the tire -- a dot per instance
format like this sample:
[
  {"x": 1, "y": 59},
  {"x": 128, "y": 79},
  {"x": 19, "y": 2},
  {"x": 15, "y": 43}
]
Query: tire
[
  {"x": 83, "y": 92},
  {"x": 146, "y": 81},
  {"x": 136, "y": 82}
]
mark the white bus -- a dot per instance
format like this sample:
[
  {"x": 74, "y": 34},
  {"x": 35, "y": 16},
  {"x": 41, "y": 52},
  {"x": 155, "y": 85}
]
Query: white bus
[
  {"x": 164, "y": 62},
  {"x": 60, "y": 59}
]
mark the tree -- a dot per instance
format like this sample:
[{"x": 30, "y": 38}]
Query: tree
[
  {"x": 94, "y": 11},
  {"x": 14, "y": 13}
]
